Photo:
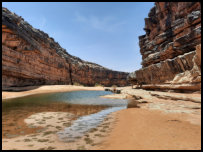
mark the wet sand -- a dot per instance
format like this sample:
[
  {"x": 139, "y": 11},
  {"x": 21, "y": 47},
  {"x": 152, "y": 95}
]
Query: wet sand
[
  {"x": 159, "y": 123},
  {"x": 13, "y": 121},
  {"x": 142, "y": 129},
  {"x": 35, "y": 127},
  {"x": 47, "y": 139},
  {"x": 164, "y": 121}
]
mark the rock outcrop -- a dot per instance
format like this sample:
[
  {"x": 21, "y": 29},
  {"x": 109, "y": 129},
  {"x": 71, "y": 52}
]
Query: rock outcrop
[
  {"x": 31, "y": 57},
  {"x": 171, "y": 47}
]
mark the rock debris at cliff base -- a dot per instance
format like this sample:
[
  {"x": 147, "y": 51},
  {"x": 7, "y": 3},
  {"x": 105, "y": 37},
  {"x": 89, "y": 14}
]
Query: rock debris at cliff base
[{"x": 171, "y": 47}]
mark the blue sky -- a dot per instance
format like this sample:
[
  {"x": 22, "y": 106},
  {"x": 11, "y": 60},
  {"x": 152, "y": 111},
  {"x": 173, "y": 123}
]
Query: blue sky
[{"x": 102, "y": 32}]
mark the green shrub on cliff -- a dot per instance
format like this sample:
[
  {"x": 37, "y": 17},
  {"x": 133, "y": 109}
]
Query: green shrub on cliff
[
  {"x": 77, "y": 84},
  {"x": 98, "y": 85}
]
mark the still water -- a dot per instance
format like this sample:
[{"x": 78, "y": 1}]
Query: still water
[{"x": 88, "y": 101}]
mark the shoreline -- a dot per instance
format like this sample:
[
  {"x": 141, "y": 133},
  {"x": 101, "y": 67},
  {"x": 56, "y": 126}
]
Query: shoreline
[
  {"x": 46, "y": 89},
  {"x": 163, "y": 121},
  {"x": 166, "y": 132},
  {"x": 172, "y": 120}
]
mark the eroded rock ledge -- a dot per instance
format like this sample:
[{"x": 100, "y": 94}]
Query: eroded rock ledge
[
  {"x": 31, "y": 57},
  {"x": 171, "y": 47}
]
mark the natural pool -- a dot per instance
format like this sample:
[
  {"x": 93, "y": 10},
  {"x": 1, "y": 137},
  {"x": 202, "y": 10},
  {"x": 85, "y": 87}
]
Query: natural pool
[{"x": 90, "y": 110}]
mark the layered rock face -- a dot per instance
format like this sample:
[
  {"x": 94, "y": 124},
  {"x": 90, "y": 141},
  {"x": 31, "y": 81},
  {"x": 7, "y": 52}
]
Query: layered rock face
[
  {"x": 31, "y": 57},
  {"x": 171, "y": 46}
]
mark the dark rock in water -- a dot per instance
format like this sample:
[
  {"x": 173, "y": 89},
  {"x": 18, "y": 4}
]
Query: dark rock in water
[
  {"x": 114, "y": 91},
  {"x": 30, "y": 57},
  {"x": 107, "y": 90},
  {"x": 118, "y": 91}
]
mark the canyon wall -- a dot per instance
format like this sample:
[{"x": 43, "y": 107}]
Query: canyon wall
[
  {"x": 171, "y": 47},
  {"x": 30, "y": 57}
]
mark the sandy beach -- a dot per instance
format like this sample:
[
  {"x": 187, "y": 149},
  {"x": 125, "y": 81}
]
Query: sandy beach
[
  {"x": 141, "y": 129},
  {"x": 114, "y": 76},
  {"x": 158, "y": 123},
  {"x": 45, "y": 89}
]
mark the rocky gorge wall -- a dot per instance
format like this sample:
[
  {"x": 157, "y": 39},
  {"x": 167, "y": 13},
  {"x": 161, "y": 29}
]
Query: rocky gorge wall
[
  {"x": 30, "y": 57},
  {"x": 171, "y": 47}
]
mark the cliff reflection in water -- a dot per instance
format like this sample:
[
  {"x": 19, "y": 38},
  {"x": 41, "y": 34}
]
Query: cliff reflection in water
[{"x": 80, "y": 103}]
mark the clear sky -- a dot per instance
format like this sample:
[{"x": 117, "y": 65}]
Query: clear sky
[{"x": 105, "y": 33}]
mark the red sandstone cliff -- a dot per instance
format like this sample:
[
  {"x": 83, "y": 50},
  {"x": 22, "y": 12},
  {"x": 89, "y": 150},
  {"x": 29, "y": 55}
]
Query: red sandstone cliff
[
  {"x": 171, "y": 47},
  {"x": 31, "y": 57}
]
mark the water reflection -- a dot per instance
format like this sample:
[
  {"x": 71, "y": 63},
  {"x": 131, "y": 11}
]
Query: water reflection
[
  {"x": 80, "y": 103},
  {"x": 84, "y": 124},
  {"x": 74, "y": 97}
]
